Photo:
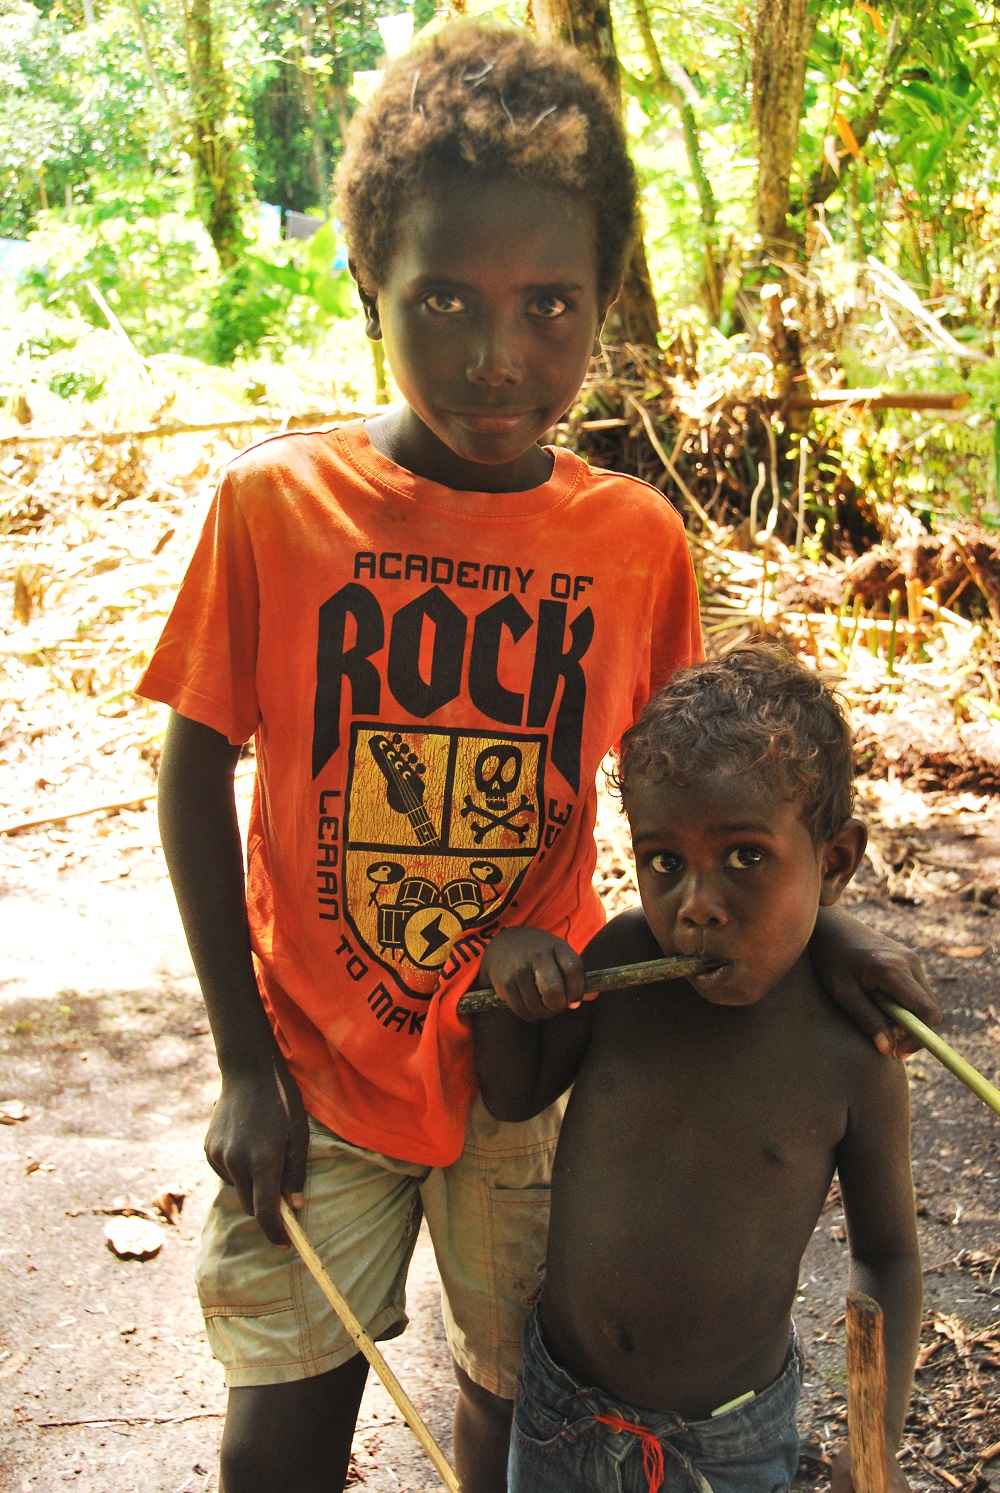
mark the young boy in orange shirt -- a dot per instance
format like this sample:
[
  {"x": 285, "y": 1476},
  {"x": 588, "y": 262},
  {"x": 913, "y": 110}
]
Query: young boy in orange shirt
[
  {"x": 708, "y": 1116},
  {"x": 434, "y": 628}
]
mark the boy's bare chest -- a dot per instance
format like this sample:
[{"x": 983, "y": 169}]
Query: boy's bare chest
[{"x": 756, "y": 1100}]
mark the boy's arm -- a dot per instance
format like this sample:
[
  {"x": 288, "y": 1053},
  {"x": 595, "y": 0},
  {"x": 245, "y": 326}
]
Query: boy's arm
[
  {"x": 523, "y": 1066},
  {"x": 873, "y": 1162},
  {"x": 527, "y": 1055},
  {"x": 853, "y": 964},
  {"x": 257, "y": 1137}
]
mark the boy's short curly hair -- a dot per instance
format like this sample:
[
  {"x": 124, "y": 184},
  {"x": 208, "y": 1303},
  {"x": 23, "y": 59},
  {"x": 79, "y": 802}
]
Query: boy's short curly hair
[
  {"x": 759, "y": 711},
  {"x": 488, "y": 100}
]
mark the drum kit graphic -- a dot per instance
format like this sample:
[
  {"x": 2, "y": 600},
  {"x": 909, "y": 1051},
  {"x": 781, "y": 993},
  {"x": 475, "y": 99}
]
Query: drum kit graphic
[{"x": 423, "y": 920}]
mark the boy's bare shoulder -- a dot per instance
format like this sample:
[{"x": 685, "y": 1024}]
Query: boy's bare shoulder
[
  {"x": 865, "y": 1071},
  {"x": 626, "y": 939}
]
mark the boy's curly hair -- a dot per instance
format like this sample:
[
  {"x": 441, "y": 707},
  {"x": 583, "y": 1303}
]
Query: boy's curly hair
[
  {"x": 756, "y": 710},
  {"x": 488, "y": 100}
]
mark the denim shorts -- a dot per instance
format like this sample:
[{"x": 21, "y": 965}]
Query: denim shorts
[{"x": 557, "y": 1445}]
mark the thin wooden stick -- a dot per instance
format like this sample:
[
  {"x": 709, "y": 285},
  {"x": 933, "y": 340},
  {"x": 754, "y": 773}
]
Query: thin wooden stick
[
  {"x": 364, "y": 1344},
  {"x": 618, "y": 977},
  {"x": 181, "y": 427},
  {"x": 952, "y": 1060},
  {"x": 878, "y": 399},
  {"x": 15, "y": 826},
  {"x": 866, "y": 1394}
]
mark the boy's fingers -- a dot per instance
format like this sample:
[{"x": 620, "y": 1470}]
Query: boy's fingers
[
  {"x": 510, "y": 991},
  {"x": 549, "y": 982},
  {"x": 266, "y": 1199},
  {"x": 244, "y": 1191},
  {"x": 571, "y": 967},
  {"x": 293, "y": 1179},
  {"x": 863, "y": 1012},
  {"x": 909, "y": 987}
]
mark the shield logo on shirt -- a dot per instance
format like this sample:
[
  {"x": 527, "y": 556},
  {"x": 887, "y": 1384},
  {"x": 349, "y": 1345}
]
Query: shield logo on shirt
[{"x": 439, "y": 830}]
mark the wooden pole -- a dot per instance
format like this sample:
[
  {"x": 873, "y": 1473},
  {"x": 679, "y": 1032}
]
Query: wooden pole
[
  {"x": 866, "y": 1394},
  {"x": 618, "y": 977},
  {"x": 271, "y": 420},
  {"x": 879, "y": 399},
  {"x": 364, "y": 1344}
]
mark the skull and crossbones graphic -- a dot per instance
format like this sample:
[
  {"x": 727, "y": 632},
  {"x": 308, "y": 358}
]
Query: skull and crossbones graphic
[{"x": 497, "y": 773}]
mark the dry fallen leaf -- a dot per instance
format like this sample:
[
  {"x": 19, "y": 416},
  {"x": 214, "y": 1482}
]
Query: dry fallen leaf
[
  {"x": 12, "y": 1110},
  {"x": 958, "y": 951},
  {"x": 169, "y": 1205},
  {"x": 134, "y": 1238}
]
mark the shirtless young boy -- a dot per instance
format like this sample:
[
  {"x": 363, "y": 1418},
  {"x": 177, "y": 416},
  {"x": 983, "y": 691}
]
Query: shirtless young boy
[{"x": 708, "y": 1118}]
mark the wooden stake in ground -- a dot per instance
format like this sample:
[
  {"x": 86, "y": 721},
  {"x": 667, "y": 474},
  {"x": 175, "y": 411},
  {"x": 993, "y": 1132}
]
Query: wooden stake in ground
[
  {"x": 866, "y": 1394},
  {"x": 364, "y": 1344}
]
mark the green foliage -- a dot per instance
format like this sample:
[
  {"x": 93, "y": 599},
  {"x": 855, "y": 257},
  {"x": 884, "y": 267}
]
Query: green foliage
[
  {"x": 267, "y": 302},
  {"x": 75, "y": 102},
  {"x": 297, "y": 91},
  {"x": 77, "y": 384},
  {"x": 139, "y": 244}
]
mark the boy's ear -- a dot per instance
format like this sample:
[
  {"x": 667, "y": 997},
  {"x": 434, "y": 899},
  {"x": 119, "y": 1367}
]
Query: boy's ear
[
  {"x": 369, "y": 303},
  {"x": 842, "y": 856}
]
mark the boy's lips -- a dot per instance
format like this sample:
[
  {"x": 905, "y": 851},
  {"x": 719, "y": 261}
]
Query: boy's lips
[
  {"x": 491, "y": 422},
  {"x": 715, "y": 976}
]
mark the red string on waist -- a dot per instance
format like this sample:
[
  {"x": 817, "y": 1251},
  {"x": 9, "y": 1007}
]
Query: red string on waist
[{"x": 653, "y": 1463}]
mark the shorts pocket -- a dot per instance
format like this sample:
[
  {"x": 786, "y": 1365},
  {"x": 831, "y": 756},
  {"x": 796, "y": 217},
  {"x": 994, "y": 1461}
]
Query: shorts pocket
[
  {"x": 239, "y": 1272},
  {"x": 520, "y": 1235},
  {"x": 543, "y": 1426}
]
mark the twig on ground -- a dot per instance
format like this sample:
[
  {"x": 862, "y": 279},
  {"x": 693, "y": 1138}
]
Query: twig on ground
[{"x": 131, "y": 1420}]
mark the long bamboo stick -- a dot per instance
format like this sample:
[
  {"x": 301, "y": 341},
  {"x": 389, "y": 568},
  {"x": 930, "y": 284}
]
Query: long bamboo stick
[
  {"x": 364, "y": 1344},
  {"x": 952, "y": 1060},
  {"x": 617, "y": 977},
  {"x": 866, "y": 1394}
]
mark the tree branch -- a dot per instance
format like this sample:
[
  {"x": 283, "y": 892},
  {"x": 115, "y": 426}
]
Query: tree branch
[
  {"x": 176, "y": 123},
  {"x": 825, "y": 181},
  {"x": 672, "y": 83}
]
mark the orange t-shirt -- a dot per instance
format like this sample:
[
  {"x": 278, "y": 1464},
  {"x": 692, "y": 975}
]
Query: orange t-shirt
[{"x": 433, "y": 678}]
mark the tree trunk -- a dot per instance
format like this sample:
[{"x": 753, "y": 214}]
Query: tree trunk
[
  {"x": 672, "y": 82},
  {"x": 586, "y": 25},
  {"x": 781, "y": 36},
  {"x": 319, "y": 169},
  {"x": 221, "y": 181}
]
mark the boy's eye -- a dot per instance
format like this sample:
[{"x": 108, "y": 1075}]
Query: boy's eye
[
  {"x": 663, "y": 863},
  {"x": 549, "y": 307},
  {"x": 443, "y": 303},
  {"x": 744, "y": 858}
]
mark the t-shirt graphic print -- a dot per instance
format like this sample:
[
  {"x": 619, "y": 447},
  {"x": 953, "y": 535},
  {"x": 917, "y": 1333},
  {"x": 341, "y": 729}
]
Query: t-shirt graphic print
[{"x": 439, "y": 829}]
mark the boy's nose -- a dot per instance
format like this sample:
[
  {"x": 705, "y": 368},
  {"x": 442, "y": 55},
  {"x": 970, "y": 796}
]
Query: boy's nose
[
  {"x": 701, "y": 906},
  {"x": 495, "y": 360}
]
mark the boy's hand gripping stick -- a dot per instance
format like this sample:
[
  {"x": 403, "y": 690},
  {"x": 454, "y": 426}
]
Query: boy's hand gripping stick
[
  {"x": 618, "y": 977},
  {"x": 866, "y": 1394},
  {"x": 952, "y": 1060},
  {"x": 364, "y": 1344}
]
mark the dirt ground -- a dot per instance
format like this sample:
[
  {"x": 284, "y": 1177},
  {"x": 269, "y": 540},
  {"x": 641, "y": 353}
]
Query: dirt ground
[{"x": 106, "y": 1384}]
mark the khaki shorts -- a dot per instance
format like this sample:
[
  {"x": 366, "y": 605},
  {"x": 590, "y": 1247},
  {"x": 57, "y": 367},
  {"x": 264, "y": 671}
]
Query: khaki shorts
[{"x": 488, "y": 1219}]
